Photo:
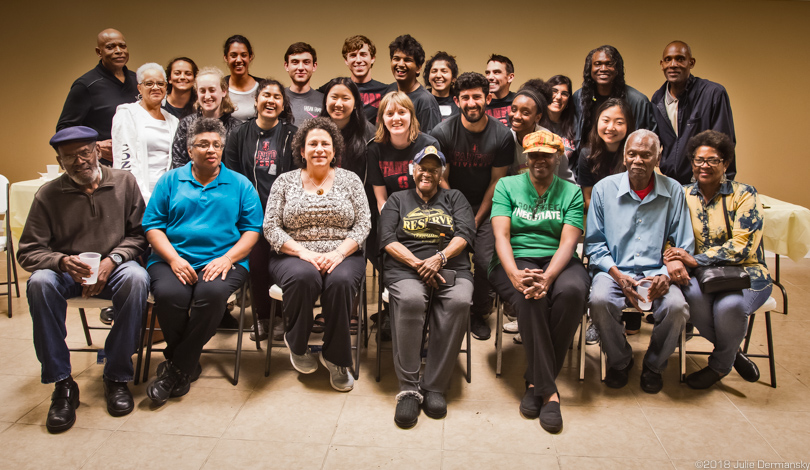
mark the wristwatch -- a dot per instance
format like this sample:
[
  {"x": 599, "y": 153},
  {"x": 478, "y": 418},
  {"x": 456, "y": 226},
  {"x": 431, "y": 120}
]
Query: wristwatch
[{"x": 117, "y": 259}]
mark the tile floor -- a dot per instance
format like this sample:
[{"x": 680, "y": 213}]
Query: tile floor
[{"x": 292, "y": 421}]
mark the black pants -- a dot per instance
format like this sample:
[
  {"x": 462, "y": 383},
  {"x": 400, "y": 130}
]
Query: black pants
[
  {"x": 189, "y": 314},
  {"x": 260, "y": 280},
  {"x": 302, "y": 285},
  {"x": 547, "y": 326}
]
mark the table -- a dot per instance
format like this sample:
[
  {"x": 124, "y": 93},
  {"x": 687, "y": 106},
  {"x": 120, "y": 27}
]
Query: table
[
  {"x": 786, "y": 232},
  {"x": 20, "y": 198}
]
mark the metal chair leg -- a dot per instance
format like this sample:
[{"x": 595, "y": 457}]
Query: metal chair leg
[
  {"x": 148, "y": 357},
  {"x": 771, "y": 359},
  {"x": 270, "y": 338},
  {"x": 682, "y": 354},
  {"x": 469, "y": 349},
  {"x": 141, "y": 345},
  {"x": 498, "y": 335},
  {"x": 86, "y": 328},
  {"x": 583, "y": 325},
  {"x": 240, "y": 332}
]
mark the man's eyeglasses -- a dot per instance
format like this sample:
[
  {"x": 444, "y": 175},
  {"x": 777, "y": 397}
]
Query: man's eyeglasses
[{"x": 85, "y": 155}]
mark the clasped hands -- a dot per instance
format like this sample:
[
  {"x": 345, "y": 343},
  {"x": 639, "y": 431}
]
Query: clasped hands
[
  {"x": 79, "y": 271},
  {"x": 428, "y": 270},
  {"x": 186, "y": 274},
  {"x": 658, "y": 288},
  {"x": 532, "y": 283},
  {"x": 323, "y": 262}
]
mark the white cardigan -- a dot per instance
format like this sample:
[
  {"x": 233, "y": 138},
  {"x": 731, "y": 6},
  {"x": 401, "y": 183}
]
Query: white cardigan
[{"x": 129, "y": 146}]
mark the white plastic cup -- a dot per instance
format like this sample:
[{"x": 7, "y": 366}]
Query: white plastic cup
[
  {"x": 92, "y": 260},
  {"x": 53, "y": 170},
  {"x": 643, "y": 290}
]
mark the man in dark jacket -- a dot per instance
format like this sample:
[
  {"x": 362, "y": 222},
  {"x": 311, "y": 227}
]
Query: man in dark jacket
[
  {"x": 89, "y": 208},
  {"x": 685, "y": 106},
  {"x": 94, "y": 97}
]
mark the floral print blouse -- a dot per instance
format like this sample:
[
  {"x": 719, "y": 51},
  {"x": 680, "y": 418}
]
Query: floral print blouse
[{"x": 712, "y": 244}]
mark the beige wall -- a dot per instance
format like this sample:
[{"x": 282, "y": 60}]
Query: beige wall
[{"x": 756, "y": 49}]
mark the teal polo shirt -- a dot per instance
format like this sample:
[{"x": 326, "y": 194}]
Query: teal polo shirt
[{"x": 203, "y": 222}]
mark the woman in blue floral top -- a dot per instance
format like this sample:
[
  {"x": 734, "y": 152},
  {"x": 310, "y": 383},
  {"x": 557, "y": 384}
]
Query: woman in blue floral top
[{"x": 722, "y": 317}]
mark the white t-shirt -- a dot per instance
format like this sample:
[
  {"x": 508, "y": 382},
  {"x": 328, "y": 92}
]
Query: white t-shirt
[
  {"x": 244, "y": 101},
  {"x": 158, "y": 138}
]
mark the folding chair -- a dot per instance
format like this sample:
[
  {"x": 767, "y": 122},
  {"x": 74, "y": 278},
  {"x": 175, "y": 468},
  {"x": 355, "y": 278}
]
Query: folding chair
[
  {"x": 239, "y": 294},
  {"x": 766, "y": 308},
  {"x": 7, "y": 245}
]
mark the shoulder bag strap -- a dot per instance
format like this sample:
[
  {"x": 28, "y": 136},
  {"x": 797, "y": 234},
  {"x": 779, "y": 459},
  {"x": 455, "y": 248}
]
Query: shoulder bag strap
[{"x": 725, "y": 216}]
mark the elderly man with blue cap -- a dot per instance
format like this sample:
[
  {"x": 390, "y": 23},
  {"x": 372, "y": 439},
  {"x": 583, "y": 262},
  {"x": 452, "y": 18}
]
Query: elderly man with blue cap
[
  {"x": 427, "y": 233},
  {"x": 90, "y": 208}
]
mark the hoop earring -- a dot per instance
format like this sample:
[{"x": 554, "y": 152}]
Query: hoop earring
[{"x": 138, "y": 98}]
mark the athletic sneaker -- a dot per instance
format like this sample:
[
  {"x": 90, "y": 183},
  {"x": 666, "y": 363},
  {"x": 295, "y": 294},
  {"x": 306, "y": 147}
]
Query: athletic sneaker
[
  {"x": 480, "y": 327},
  {"x": 511, "y": 327},
  {"x": 303, "y": 363},
  {"x": 591, "y": 334},
  {"x": 339, "y": 377}
]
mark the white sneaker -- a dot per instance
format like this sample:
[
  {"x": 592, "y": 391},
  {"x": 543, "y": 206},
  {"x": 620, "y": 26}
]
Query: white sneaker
[
  {"x": 303, "y": 363},
  {"x": 339, "y": 377},
  {"x": 517, "y": 339},
  {"x": 511, "y": 327}
]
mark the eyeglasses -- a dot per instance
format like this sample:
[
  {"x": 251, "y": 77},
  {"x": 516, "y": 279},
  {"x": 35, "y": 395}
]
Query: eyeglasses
[
  {"x": 151, "y": 84},
  {"x": 206, "y": 145},
  {"x": 709, "y": 161},
  {"x": 84, "y": 155}
]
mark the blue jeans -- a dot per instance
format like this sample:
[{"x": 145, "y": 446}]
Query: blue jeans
[
  {"x": 722, "y": 318},
  {"x": 671, "y": 312},
  {"x": 48, "y": 291}
]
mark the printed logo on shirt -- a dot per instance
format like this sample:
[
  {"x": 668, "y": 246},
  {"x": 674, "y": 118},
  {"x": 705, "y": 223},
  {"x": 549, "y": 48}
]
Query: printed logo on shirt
[
  {"x": 537, "y": 211},
  {"x": 371, "y": 99},
  {"x": 501, "y": 114},
  {"x": 415, "y": 223},
  {"x": 265, "y": 157},
  {"x": 312, "y": 111},
  {"x": 472, "y": 159}
]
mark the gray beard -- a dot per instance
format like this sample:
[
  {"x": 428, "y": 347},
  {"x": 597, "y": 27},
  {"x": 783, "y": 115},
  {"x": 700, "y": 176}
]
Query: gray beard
[{"x": 93, "y": 176}]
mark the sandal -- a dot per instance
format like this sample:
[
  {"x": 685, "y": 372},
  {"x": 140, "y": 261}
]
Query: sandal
[
  {"x": 319, "y": 324},
  {"x": 353, "y": 324}
]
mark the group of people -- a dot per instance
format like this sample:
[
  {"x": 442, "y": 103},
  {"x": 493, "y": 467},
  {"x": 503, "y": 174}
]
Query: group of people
[{"x": 456, "y": 191}]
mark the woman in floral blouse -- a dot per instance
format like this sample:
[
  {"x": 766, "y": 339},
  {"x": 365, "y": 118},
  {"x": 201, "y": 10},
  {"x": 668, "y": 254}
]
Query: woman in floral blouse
[
  {"x": 316, "y": 221},
  {"x": 722, "y": 317}
]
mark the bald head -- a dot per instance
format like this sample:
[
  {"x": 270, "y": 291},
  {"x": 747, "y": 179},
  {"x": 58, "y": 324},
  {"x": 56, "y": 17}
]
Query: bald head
[
  {"x": 679, "y": 44},
  {"x": 677, "y": 63},
  {"x": 112, "y": 50}
]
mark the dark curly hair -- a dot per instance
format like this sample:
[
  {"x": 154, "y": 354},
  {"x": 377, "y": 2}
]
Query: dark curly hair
[
  {"x": 324, "y": 123},
  {"x": 597, "y": 162},
  {"x": 510, "y": 68},
  {"x": 451, "y": 64},
  {"x": 536, "y": 90},
  {"x": 617, "y": 90},
  {"x": 300, "y": 48},
  {"x": 286, "y": 114},
  {"x": 567, "y": 116},
  {"x": 204, "y": 125},
  {"x": 410, "y": 46},
  {"x": 471, "y": 80},
  {"x": 716, "y": 140}
]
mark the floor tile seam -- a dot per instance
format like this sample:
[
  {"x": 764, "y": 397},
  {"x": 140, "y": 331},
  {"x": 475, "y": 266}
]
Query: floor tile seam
[
  {"x": 235, "y": 415},
  {"x": 756, "y": 429},
  {"x": 99, "y": 446},
  {"x": 335, "y": 428},
  {"x": 658, "y": 437},
  {"x": 17, "y": 421}
]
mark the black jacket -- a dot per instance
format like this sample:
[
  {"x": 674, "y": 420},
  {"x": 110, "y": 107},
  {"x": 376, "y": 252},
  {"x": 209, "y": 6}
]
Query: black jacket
[
  {"x": 240, "y": 155},
  {"x": 703, "y": 105},
  {"x": 94, "y": 97}
]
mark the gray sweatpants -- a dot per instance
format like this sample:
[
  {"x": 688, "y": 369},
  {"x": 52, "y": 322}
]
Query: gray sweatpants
[{"x": 448, "y": 323}]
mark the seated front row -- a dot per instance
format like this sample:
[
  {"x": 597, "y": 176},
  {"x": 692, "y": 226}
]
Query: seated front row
[{"x": 203, "y": 219}]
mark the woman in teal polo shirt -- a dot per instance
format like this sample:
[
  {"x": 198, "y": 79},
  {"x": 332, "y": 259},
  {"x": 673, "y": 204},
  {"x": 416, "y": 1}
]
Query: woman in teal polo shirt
[
  {"x": 537, "y": 219},
  {"x": 202, "y": 222}
]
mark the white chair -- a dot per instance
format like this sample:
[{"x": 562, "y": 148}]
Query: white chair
[
  {"x": 766, "y": 308},
  {"x": 7, "y": 245}
]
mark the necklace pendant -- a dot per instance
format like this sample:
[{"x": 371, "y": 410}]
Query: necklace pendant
[{"x": 319, "y": 192}]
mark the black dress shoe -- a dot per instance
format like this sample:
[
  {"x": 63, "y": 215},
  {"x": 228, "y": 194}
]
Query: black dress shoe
[
  {"x": 106, "y": 316},
  {"x": 617, "y": 378},
  {"x": 551, "y": 417},
  {"x": 119, "y": 398},
  {"x": 161, "y": 369},
  {"x": 434, "y": 404},
  {"x": 172, "y": 383},
  {"x": 651, "y": 382},
  {"x": 747, "y": 369},
  {"x": 64, "y": 401},
  {"x": 530, "y": 404},
  {"x": 703, "y": 379}
]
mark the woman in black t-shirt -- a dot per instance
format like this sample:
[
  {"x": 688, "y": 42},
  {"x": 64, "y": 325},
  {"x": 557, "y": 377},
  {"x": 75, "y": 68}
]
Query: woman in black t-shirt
[
  {"x": 441, "y": 72},
  {"x": 421, "y": 272},
  {"x": 398, "y": 140},
  {"x": 602, "y": 157},
  {"x": 343, "y": 105}
]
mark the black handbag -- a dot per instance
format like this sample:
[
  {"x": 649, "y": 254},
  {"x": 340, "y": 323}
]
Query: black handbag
[{"x": 714, "y": 279}]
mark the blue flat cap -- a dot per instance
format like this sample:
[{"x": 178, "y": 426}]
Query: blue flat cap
[
  {"x": 429, "y": 151},
  {"x": 73, "y": 134}
]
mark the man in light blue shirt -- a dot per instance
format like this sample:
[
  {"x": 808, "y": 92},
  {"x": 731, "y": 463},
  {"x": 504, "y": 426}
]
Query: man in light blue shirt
[{"x": 631, "y": 217}]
